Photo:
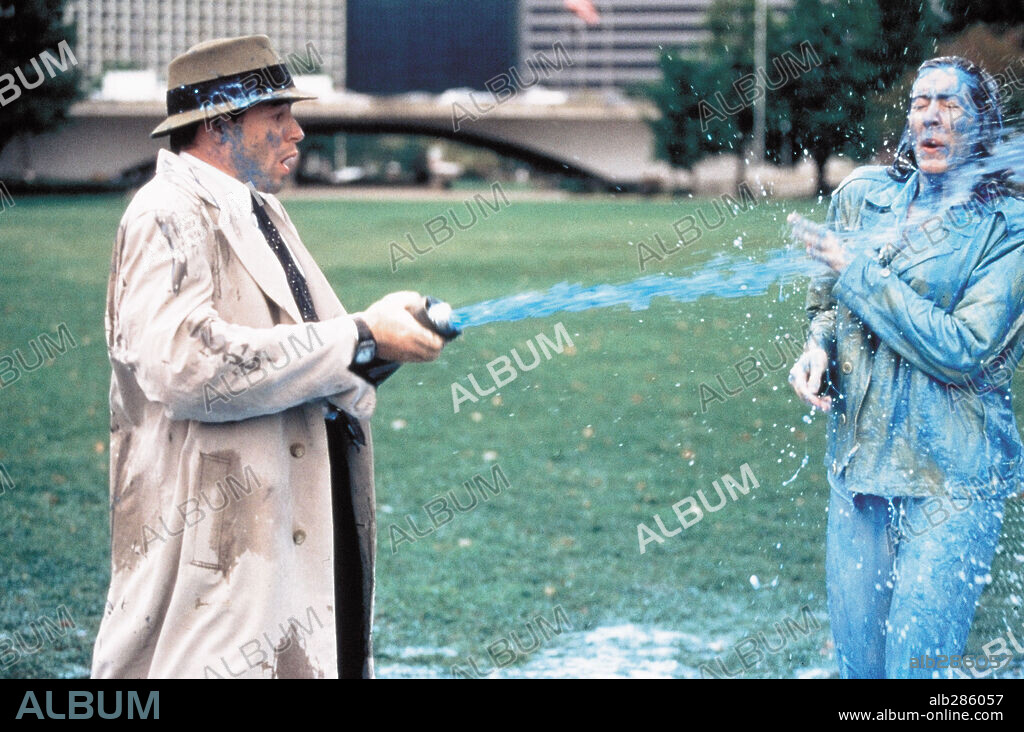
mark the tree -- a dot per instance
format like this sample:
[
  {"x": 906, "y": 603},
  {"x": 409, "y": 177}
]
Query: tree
[
  {"x": 908, "y": 36},
  {"x": 27, "y": 29},
  {"x": 908, "y": 33},
  {"x": 865, "y": 47},
  {"x": 829, "y": 103},
  {"x": 707, "y": 103},
  {"x": 677, "y": 133},
  {"x": 733, "y": 82},
  {"x": 829, "y": 64},
  {"x": 962, "y": 13}
]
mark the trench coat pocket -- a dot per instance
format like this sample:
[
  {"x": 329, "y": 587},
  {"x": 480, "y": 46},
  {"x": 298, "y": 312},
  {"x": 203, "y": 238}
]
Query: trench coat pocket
[{"x": 206, "y": 532}]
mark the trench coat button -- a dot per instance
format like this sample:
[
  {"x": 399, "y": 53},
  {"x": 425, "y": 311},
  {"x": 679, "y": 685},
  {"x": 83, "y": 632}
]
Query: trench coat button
[
  {"x": 885, "y": 272},
  {"x": 297, "y": 450},
  {"x": 299, "y": 536},
  {"x": 847, "y": 367}
]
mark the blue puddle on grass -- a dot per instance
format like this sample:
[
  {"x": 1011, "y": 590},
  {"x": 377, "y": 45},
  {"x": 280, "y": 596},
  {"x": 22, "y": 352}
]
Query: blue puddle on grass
[
  {"x": 616, "y": 651},
  {"x": 623, "y": 651}
]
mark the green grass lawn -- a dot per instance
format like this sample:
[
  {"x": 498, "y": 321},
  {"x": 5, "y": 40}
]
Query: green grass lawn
[{"x": 592, "y": 441}]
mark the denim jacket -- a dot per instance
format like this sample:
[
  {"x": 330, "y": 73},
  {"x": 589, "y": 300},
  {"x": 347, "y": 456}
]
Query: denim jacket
[{"x": 922, "y": 344}]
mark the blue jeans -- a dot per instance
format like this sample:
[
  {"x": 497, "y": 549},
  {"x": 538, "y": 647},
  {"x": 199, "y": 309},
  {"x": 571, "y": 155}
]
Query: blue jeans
[{"x": 904, "y": 576}]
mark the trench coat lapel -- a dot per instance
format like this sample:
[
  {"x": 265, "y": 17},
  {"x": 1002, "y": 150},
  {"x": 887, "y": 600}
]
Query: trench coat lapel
[
  {"x": 885, "y": 213},
  {"x": 259, "y": 259},
  {"x": 944, "y": 233},
  {"x": 232, "y": 215}
]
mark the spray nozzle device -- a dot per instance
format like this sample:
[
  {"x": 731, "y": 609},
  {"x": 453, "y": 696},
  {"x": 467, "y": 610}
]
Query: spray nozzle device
[{"x": 439, "y": 318}]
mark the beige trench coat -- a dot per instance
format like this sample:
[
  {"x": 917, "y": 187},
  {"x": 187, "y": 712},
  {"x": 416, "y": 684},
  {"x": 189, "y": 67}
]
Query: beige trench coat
[{"x": 221, "y": 526}]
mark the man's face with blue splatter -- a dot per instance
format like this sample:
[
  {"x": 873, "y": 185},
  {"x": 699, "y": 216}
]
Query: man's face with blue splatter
[
  {"x": 943, "y": 120},
  {"x": 262, "y": 145}
]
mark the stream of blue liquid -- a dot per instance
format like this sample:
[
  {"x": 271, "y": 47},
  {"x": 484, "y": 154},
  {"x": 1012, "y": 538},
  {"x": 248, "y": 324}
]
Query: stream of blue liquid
[{"x": 721, "y": 277}]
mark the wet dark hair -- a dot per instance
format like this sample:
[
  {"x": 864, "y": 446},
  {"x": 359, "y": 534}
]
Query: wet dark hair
[
  {"x": 182, "y": 137},
  {"x": 984, "y": 93}
]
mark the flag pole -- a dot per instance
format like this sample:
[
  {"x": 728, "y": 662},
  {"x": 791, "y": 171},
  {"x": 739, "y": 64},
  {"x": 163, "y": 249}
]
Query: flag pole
[{"x": 760, "y": 61}]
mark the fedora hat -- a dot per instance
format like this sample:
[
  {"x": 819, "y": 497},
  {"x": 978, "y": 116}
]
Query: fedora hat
[{"x": 225, "y": 75}]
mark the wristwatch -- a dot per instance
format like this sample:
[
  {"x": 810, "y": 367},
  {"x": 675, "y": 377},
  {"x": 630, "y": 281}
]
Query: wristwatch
[{"x": 366, "y": 348}]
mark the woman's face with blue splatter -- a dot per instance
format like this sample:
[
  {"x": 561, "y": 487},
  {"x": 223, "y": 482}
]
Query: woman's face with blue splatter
[
  {"x": 262, "y": 145},
  {"x": 943, "y": 120}
]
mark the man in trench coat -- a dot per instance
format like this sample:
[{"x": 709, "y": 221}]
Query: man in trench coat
[{"x": 230, "y": 554}]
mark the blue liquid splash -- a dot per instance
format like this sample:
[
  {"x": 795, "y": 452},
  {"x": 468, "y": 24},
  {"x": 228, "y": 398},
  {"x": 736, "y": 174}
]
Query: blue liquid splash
[{"x": 721, "y": 277}]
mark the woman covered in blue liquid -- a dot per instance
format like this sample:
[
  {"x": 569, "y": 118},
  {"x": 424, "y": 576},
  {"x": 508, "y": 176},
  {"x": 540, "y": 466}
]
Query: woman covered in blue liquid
[{"x": 916, "y": 331}]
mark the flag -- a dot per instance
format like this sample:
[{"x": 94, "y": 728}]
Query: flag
[{"x": 584, "y": 10}]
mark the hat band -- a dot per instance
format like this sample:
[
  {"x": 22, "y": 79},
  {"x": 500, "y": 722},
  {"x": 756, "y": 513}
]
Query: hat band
[{"x": 238, "y": 90}]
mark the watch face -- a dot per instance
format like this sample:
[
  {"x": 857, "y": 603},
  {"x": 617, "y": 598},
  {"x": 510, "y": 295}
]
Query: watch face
[{"x": 364, "y": 354}]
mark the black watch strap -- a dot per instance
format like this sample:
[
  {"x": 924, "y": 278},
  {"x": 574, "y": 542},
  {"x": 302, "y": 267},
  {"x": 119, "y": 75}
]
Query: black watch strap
[{"x": 366, "y": 339}]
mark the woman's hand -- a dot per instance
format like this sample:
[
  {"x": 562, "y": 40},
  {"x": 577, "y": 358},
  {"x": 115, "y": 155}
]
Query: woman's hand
[
  {"x": 806, "y": 374},
  {"x": 821, "y": 243}
]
